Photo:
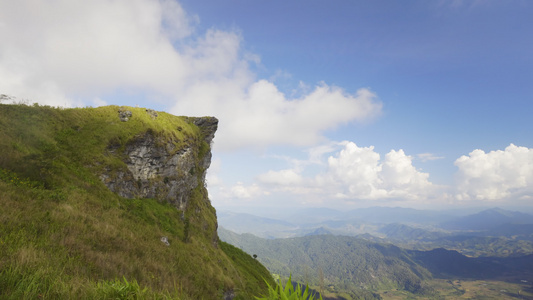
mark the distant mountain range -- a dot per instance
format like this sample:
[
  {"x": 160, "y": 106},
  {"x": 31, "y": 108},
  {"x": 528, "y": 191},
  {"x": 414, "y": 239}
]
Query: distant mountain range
[
  {"x": 247, "y": 223},
  {"x": 491, "y": 232},
  {"x": 488, "y": 219},
  {"x": 368, "y": 220},
  {"x": 347, "y": 263},
  {"x": 356, "y": 266}
]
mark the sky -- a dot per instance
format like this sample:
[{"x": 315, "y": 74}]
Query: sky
[{"x": 340, "y": 104}]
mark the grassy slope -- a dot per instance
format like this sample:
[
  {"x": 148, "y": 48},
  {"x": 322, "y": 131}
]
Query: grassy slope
[
  {"x": 63, "y": 234},
  {"x": 348, "y": 264}
]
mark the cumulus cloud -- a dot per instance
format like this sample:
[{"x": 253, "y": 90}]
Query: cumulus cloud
[
  {"x": 242, "y": 191},
  {"x": 359, "y": 173},
  {"x": 353, "y": 173},
  {"x": 496, "y": 175},
  {"x": 71, "y": 49},
  {"x": 258, "y": 114},
  {"x": 68, "y": 53}
]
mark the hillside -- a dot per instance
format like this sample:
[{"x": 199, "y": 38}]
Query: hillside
[
  {"x": 110, "y": 202},
  {"x": 354, "y": 268},
  {"x": 336, "y": 263}
]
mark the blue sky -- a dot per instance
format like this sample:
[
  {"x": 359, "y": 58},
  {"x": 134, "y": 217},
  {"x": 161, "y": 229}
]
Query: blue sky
[{"x": 321, "y": 103}]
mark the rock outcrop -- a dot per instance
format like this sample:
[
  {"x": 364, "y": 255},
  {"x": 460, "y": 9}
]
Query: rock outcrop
[
  {"x": 158, "y": 168},
  {"x": 170, "y": 168}
]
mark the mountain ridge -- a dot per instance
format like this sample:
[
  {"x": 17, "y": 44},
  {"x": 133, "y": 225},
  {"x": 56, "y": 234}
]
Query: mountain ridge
[
  {"x": 356, "y": 266},
  {"x": 488, "y": 219}
]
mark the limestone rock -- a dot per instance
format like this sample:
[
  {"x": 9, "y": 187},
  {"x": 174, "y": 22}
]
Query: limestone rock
[
  {"x": 124, "y": 114},
  {"x": 157, "y": 169},
  {"x": 164, "y": 240},
  {"x": 152, "y": 113}
]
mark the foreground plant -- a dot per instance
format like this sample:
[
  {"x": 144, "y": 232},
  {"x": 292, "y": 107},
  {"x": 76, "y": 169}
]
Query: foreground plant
[{"x": 289, "y": 292}]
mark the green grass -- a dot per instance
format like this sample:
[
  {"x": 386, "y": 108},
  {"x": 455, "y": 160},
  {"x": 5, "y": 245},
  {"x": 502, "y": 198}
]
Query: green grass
[
  {"x": 289, "y": 292},
  {"x": 64, "y": 235}
]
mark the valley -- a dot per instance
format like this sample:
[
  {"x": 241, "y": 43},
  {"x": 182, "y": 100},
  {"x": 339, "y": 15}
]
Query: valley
[{"x": 412, "y": 255}]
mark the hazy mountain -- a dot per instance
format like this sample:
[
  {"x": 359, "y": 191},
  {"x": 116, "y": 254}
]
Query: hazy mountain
[
  {"x": 450, "y": 263},
  {"x": 389, "y": 215},
  {"x": 315, "y": 215},
  {"x": 354, "y": 222},
  {"x": 355, "y": 265},
  {"x": 515, "y": 231},
  {"x": 260, "y": 226},
  {"x": 347, "y": 263},
  {"x": 507, "y": 240},
  {"x": 404, "y": 232},
  {"x": 488, "y": 219},
  {"x": 319, "y": 231}
]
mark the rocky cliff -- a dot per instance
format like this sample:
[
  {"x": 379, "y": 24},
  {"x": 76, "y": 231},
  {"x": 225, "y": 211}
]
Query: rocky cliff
[
  {"x": 162, "y": 167},
  {"x": 169, "y": 168},
  {"x": 90, "y": 196}
]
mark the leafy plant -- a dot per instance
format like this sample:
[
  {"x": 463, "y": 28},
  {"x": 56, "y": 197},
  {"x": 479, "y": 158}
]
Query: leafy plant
[
  {"x": 122, "y": 290},
  {"x": 289, "y": 292}
]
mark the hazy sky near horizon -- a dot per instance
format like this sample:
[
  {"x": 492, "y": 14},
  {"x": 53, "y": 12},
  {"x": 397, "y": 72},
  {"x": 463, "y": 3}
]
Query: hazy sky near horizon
[{"x": 321, "y": 103}]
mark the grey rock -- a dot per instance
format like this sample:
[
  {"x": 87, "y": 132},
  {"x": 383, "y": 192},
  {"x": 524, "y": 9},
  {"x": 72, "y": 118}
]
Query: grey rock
[
  {"x": 164, "y": 240},
  {"x": 124, "y": 114},
  {"x": 155, "y": 171},
  {"x": 155, "y": 168},
  {"x": 152, "y": 113},
  {"x": 229, "y": 295},
  {"x": 208, "y": 126}
]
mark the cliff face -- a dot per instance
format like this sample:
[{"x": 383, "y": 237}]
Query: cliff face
[
  {"x": 170, "y": 168},
  {"x": 162, "y": 167}
]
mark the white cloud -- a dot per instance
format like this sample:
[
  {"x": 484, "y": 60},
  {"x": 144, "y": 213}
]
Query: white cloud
[
  {"x": 353, "y": 173},
  {"x": 496, "y": 175},
  {"x": 67, "y": 53},
  {"x": 283, "y": 177},
  {"x": 401, "y": 178},
  {"x": 258, "y": 114},
  {"x": 73, "y": 49},
  {"x": 242, "y": 191},
  {"x": 358, "y": 173},
  {"x": 428, "y": 157},
  {"x": 344, "y": 172}
]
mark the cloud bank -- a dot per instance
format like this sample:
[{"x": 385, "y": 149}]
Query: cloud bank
[
  {"x": 496, "y": 175},
  {"x": 77, "y": 53},
  {"x": 349, "y": 173},
  {"x": 354, "y": 173}
]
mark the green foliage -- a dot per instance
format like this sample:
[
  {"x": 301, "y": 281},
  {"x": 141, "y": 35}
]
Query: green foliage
[
  {"x": 11, "y": 177},
  {"x": 349, "y": 265},
  {"x": 504, "y": 241},
  {"x": 289, "y": 292},
  {"x": 17, "y": 283},
  {"x": 117, "y": 289}
]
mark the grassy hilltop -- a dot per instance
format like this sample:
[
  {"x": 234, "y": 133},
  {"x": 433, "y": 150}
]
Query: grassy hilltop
[{"x": 64, "y": 234}]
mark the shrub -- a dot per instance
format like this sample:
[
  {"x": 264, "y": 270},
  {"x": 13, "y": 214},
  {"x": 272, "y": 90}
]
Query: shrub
[{"x": 289, "y": 292}]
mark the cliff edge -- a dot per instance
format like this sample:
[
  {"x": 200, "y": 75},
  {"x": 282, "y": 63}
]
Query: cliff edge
[{"x": 98, "y": 201}]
